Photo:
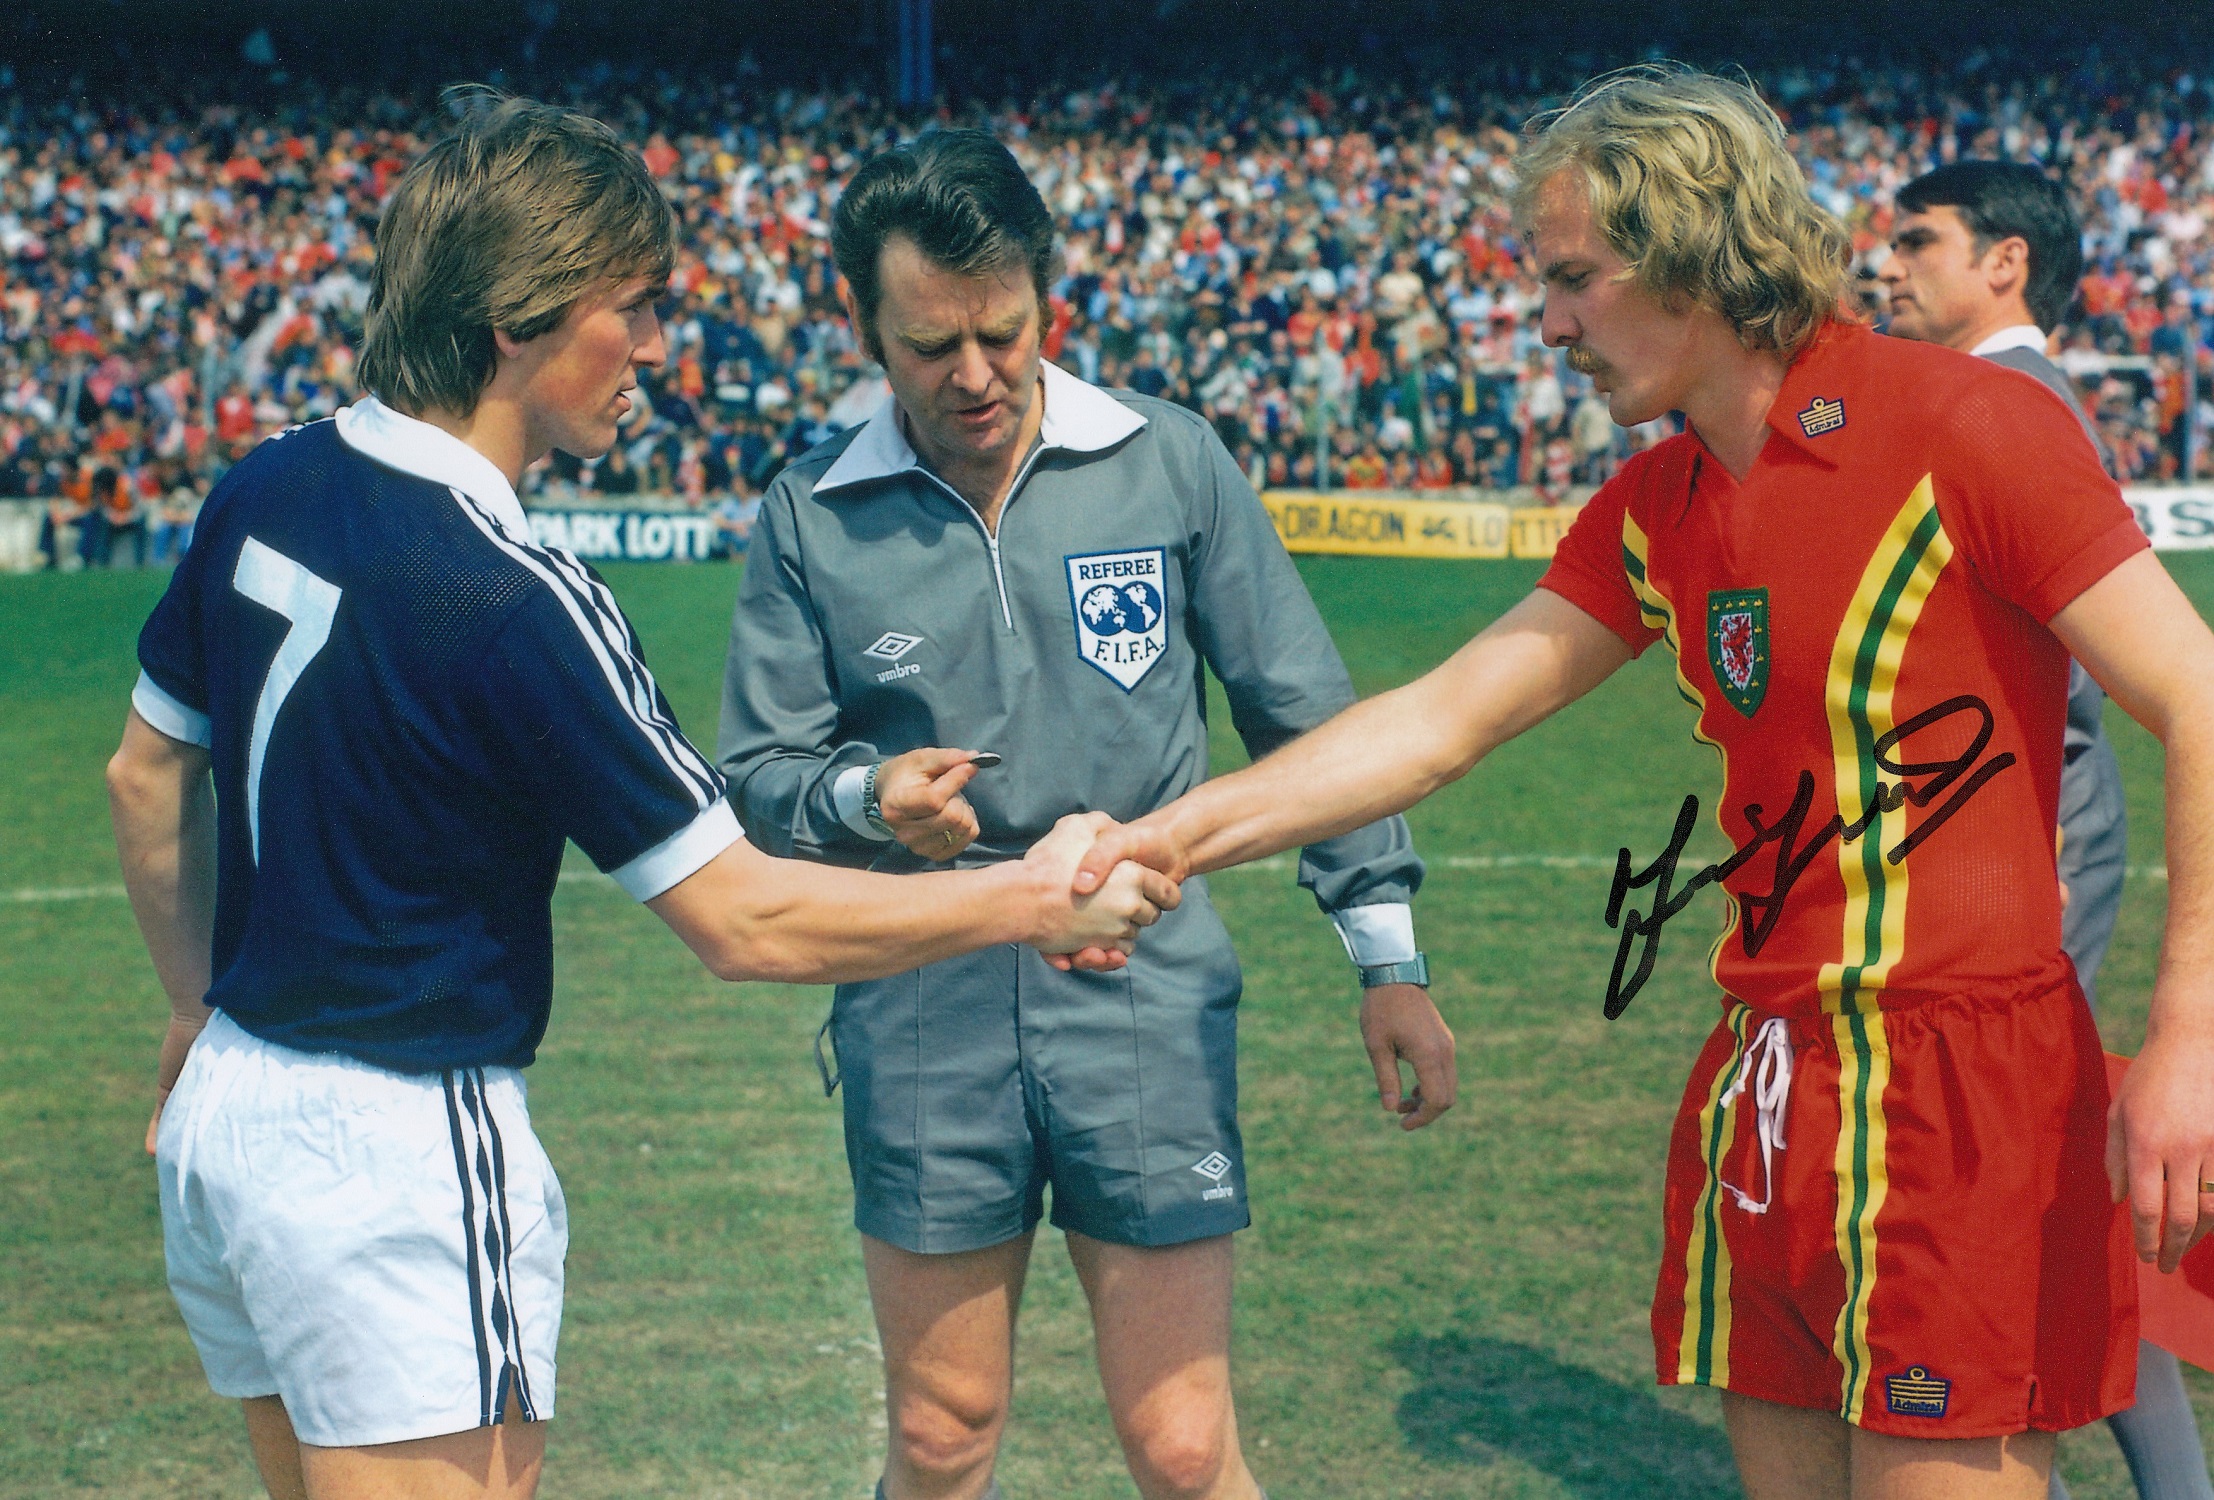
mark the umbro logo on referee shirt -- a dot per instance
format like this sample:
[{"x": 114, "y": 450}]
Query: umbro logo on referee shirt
[{"x": 891, "y": 646}]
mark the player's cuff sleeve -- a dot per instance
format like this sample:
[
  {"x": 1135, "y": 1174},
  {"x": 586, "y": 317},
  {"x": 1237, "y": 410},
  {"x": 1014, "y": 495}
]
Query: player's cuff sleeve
[
  {"x": 2086, "y": 566},
  {"x": 845, "y": 799},
  {"x": 1382, "y": 933},
  {"x": 169, "y": 716},
  {"x": 681, "y": 854},
  {"x": 1611, "y": 607}
]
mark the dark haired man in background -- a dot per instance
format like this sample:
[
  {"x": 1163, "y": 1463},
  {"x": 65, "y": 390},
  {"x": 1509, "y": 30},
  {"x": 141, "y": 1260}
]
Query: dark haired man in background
[
  {"x": 1009, "y": 559},
  {"x": 1985, "y": 259}
]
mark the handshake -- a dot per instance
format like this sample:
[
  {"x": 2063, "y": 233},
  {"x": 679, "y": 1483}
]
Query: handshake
[
  {"x": 1096, "y": 930},
  {"x": 1089, "y": 899}
]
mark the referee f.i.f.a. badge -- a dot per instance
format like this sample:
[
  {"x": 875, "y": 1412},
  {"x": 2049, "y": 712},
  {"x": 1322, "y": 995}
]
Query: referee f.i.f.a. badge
[{"x": 1737, "y": 645}]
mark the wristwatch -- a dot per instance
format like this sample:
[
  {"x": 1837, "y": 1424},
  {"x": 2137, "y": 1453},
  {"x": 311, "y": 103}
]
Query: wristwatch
[
  {"x": 1415, "y": 970},
  {"x": 871, "y": 809}
]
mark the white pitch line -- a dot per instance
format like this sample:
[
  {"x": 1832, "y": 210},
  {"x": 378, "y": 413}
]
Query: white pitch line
[
  {"x": 37, "y": 895},
  {"x": 42, "y": 894}
]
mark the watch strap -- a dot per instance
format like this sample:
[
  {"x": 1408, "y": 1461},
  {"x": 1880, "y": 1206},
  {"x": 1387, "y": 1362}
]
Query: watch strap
[
  {"x": 1415, "y": 970},
  {"x": 871, "y": 809}
]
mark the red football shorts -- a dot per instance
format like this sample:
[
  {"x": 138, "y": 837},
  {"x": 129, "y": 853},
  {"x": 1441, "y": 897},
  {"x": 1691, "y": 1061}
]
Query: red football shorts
[{"x": 1923, "y": 1242}]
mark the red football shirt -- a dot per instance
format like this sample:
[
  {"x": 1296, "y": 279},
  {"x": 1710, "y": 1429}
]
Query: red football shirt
[{"x": 1861, "y": 624}]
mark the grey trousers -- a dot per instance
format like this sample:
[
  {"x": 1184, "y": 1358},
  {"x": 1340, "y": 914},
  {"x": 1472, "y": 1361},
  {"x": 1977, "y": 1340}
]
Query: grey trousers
[
  {"x": 2094, "y": 848},
  {"x": 2159, "y": 1436}
]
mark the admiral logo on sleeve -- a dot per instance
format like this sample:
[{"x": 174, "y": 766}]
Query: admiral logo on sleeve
[{"x": 1120, "y": 604}]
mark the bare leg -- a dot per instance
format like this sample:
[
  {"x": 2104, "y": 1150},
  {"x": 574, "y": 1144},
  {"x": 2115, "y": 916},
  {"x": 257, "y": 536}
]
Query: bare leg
[
  {"x": 2018, "y": 1467},
  {"x": 947, "y": 1324},
  {"x": 276, "y": 1449},
  {"x": 484, "y": 1463},
  {"x": 1788, "y": 1452},
  {"x": 1162, "y": 1321}
]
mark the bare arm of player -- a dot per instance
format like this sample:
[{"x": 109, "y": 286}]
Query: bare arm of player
[
  {"x": 1380, "y": 756},
  {"x": 2135, "y": 632},
  {"x": 163, "y": 807},
  {"x": 750, "y": 916}
]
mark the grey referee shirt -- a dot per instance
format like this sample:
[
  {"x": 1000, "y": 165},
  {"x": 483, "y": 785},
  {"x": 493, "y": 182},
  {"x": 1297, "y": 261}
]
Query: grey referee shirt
[{"x": 877, "y": 616}]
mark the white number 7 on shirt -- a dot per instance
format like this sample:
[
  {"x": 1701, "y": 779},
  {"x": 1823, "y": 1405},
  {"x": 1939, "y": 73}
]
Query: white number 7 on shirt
[{"x": 269, "y": 578}]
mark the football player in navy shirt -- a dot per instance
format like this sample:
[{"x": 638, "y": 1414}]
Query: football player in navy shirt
[{"x": 372, "y": 712}]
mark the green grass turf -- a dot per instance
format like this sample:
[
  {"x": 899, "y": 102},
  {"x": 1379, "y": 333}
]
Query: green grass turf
[{"x": 1457, "y": 1314}]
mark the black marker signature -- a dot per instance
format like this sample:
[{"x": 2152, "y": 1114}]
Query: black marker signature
[{"x": 1959, "y": 775}]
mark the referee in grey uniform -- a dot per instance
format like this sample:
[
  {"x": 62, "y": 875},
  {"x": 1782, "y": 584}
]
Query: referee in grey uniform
[
  {"x": 1008, "y": 560},
  {"x": 1985, "y": 257}
]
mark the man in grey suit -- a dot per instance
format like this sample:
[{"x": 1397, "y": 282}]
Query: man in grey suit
[{"x": 1985, "y": 257}]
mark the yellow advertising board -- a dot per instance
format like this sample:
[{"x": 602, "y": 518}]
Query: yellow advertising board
[
  {"x": 1538, "y": 530},
  {"x": 1382, "y": 523},
  {"x": 1388, "y": 523}
]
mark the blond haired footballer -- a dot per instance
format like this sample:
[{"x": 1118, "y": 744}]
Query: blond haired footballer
[{"x": 1870, "y": 561}]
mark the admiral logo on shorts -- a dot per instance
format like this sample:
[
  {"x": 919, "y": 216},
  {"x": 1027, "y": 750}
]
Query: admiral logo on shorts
[
  {"x": 1214, "y": 1166},
  {"x": 1121, "y": 611},
  {"x": 1917, "y": 1393},
  {"x": 891, "y": 646},
  {"x": 1822, "y": 415}
]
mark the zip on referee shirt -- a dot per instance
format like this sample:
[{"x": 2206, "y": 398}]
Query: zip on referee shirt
[{"x": 991, "y": 537}]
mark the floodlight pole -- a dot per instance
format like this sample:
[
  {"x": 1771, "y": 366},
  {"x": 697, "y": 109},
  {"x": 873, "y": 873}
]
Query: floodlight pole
[
  {"x": 2194, "y": 439},
  {"x": 917, "y": 80}
]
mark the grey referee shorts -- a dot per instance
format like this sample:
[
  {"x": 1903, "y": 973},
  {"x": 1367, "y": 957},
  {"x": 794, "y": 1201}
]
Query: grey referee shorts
[{"x": 973, "y": 1085}]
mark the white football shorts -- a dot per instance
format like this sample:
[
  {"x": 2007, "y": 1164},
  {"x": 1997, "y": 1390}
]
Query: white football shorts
[{"x": 383, "y": 1250}]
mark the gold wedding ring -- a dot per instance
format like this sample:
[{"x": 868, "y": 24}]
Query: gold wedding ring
[{"x": 949, "y": 844}]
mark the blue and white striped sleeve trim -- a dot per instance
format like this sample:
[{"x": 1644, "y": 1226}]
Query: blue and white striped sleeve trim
[
  {"x": 606, "y": 636},
  {"x": 169, "y": 716},
  {"x": 682, "y": 854}
]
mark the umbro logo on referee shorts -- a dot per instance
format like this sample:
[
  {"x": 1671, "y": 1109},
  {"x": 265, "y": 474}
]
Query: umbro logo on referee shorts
[{"x": 1214, "y": 1166}]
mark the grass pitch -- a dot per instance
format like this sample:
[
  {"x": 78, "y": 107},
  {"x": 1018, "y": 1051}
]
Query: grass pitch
[{"x": 1461, "y": 1313}]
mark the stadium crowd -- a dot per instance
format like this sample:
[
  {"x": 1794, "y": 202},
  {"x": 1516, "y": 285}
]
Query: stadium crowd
[{"x": 1325, "y": 269}]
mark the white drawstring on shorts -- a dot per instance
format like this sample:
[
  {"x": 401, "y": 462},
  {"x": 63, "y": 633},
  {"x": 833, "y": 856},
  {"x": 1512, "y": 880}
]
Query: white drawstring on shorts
[{"x": 1771, "y": 1080}]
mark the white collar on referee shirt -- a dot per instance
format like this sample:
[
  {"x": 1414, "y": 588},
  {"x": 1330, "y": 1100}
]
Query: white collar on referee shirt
[
  {"x": 1078, "y": 417},
  {"x": 413, "y": 446},
  {"x": 2019, "y": 336}
]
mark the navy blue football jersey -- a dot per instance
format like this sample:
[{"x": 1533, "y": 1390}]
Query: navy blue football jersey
[{"x": 410, "y": 707}]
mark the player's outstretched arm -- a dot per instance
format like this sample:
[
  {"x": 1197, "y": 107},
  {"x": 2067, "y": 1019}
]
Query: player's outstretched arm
[
  {"x": 163, "y": 807},
  {"x": 2139, "y": 636},
  {"x": 1382, "y": 755},
  {"x": 750, "y": 916}
]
